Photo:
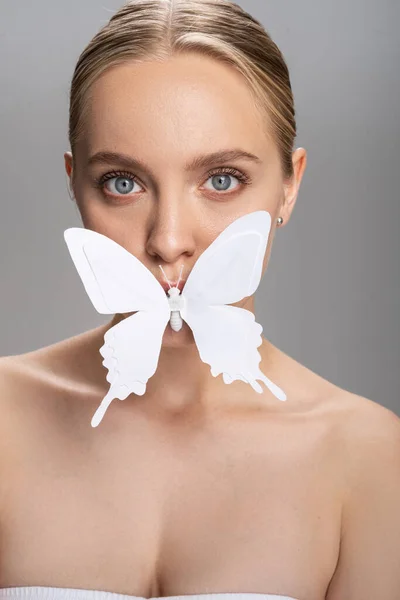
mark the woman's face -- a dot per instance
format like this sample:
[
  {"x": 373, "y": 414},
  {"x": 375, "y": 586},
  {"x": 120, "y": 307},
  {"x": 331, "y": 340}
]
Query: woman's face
[{"x": 160, "y": 167}]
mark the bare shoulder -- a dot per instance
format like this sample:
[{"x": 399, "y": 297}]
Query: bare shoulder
[
  {"x": 68, "y": 362},
  {"x": 365, "y": 434},
  {"x": 371, "y": 444},
  {"x": 25, "y": 371},
  {"x": 368, "y": 427},
  {"x": 16, "y": 373},
  {"x": 49, "y": 380},
  {"x": 17, "y": 380},
  {"x": 369, "y": 436},
  {"x": 23, "y": 384},
  {"x": 368, "y": 564}
]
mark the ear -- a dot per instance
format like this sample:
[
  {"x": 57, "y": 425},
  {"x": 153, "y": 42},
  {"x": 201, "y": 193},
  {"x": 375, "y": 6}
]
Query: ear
[
  {"x": 68, "y": 162},
  {"x": 291, "y": 186}
]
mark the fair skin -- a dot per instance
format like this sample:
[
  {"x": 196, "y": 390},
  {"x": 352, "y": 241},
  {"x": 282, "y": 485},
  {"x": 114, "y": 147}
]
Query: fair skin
[
  {"x": 171, "y": 217},
  {"x": 196, "y": 486}
]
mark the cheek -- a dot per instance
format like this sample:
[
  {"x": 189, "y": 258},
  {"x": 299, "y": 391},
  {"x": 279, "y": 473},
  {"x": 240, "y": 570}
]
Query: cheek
[
  {"x": 121, "y": 228},
  {"x": 126, "y": 225}
]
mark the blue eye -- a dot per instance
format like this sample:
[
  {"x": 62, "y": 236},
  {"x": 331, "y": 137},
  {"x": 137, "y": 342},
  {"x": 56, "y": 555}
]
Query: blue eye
[
  {"x": 123, "y": 181},
  {"x": 222, "y": 180},
  {"x": 122, "y": 184}
]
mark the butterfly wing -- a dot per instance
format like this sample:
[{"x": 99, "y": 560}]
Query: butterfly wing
[
  {"x": 131, "y": 352},
  {"x": 229, "y": 270},
  {"x": 116, "y": 281}
]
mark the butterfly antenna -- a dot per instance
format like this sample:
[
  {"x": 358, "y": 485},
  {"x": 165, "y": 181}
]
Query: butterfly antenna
[
  {"x": 166, "y": 278},
  {"x": 180, "y": 275}
]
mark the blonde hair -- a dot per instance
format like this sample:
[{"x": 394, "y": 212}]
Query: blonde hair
[{"x": 143, "y": 30}]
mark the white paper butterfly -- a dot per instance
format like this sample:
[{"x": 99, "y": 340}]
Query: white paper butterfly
[{"x": 227, "y": 337}]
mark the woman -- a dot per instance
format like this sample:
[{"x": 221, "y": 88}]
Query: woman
[{"x": 196, "y": 488}]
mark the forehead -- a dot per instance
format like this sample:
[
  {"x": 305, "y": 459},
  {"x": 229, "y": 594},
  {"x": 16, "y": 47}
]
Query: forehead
[{"x": 187, "y": 103}]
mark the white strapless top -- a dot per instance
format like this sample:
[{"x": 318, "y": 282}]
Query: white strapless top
[{"x": 38, "y": 592}]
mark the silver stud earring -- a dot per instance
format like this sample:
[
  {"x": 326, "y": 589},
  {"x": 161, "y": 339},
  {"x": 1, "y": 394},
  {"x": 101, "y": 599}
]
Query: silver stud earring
[{"x": 279, "y": 220}]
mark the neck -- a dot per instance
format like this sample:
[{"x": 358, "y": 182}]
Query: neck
[{"x": 182, "y": 382}]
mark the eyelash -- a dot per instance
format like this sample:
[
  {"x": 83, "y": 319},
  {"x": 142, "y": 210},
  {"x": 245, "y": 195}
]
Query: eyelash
[{"x": 242, "y": 177}]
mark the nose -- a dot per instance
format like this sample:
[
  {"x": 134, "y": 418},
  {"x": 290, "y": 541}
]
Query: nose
[{"x": 171, "y": 234}]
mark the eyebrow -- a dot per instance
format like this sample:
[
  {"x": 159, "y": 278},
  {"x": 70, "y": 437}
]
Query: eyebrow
[{"x": 202, "y": 161}]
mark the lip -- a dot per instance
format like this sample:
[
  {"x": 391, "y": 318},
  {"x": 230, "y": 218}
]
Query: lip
[{"x": 180, "y": 287}]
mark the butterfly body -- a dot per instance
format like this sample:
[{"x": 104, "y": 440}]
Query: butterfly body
[
  {"x": 176, "y": 303},
  {"x": 226, "y": 336}
]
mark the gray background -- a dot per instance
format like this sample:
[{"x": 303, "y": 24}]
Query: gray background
[{"x": 330, "y": 297}]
